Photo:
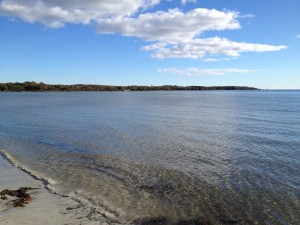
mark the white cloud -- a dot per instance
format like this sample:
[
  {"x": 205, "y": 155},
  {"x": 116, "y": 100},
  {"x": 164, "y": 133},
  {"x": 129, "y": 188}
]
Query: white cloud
[
  {"x": 217, "y": 59},
  {"x": 183, "y": 2},
  {"x": 172, "y": 25},
  {"x": 200, "y": 48},
  {"x": 298, "y": 36},
  {"x": 173, "y": 33},
  {"x": 55, "y": 13},
  {"x": 204, "y": 72},
  {"x": 246, "y": 16}
]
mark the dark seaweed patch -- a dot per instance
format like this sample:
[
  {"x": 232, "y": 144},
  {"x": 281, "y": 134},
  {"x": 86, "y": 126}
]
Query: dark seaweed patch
[{"x": 22, "y": 196}]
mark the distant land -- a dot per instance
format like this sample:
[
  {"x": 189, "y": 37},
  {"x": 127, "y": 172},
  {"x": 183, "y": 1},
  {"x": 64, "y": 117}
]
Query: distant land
[{"x": 42, "y": 87}]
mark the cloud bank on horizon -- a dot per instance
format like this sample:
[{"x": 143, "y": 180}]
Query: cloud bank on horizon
[
  {"x": 173, "y": 33},
  {"x": 204, "y": 72}
]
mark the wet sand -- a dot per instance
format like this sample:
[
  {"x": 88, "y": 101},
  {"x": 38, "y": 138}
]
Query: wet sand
[{"x": 43, "y": 208}]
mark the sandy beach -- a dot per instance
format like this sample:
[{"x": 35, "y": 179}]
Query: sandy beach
[{"x": 44, "y": 208}]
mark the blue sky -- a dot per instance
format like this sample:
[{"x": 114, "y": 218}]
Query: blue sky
[{"x": 151, "y": 42}]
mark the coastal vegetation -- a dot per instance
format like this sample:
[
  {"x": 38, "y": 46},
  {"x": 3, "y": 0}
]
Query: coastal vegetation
[{"x": 42, "y": 87}]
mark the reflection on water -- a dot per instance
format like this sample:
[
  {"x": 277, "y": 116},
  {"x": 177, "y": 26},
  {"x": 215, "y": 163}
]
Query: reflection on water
[{"x": 227, "y": 157}]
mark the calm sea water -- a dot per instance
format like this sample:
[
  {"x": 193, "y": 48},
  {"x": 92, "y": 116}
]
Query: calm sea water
[{"x": 230, "y": 157}]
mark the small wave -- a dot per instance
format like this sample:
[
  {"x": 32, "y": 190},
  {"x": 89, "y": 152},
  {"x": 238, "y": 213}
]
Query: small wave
[
  {"x": 88, "y": 210},
  {"x": 48, "y": 182}
]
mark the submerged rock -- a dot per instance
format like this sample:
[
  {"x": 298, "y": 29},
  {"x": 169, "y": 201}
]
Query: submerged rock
[
  {"x": 156, "y": 186},
  {"x": 150, "y": 221},
  {"x": 165, "y": 221},
  {"x": 193, "y": 222}
]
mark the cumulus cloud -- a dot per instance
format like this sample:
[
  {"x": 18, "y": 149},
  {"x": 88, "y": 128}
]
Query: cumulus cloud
[
  {"x": 173, "y": 33},
  {"x": 217, "y": 59},
  {"x": 204, "y": 72},
  {"x": 55, "y": 13},
  {"x": 176, "y": 34},
  {"x": 172, "y": 25},
  {"x": 200, "y": 48},
  {"x": 183, "y": 2}
]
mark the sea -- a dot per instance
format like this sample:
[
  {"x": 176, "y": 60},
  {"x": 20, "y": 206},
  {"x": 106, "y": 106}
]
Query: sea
[{"x": 162, "y": 157}]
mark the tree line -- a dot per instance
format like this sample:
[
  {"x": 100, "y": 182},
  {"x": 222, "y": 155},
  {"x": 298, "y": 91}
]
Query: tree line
[{"x": 42, "y": 87}]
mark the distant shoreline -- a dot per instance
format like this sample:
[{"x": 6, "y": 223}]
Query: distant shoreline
[{"x": 42, "y": 87}]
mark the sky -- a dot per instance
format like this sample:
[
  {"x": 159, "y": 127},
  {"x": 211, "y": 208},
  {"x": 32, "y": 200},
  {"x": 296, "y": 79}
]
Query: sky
[{"x": 151, "y": 42}]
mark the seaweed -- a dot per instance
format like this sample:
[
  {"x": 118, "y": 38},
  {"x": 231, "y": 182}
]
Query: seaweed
[{"x": 22, "y": 199}]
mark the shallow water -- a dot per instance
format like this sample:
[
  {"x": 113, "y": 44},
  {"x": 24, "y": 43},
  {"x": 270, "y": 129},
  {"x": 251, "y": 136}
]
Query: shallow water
[{"x": 228, "y": 157}]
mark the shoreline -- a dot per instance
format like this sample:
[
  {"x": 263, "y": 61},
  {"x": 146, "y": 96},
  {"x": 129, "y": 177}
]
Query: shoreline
[
  {"x": 45, "y": 207},
  {"x": 50, "y": 208},
  {"x": 42, "y": 87}
]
